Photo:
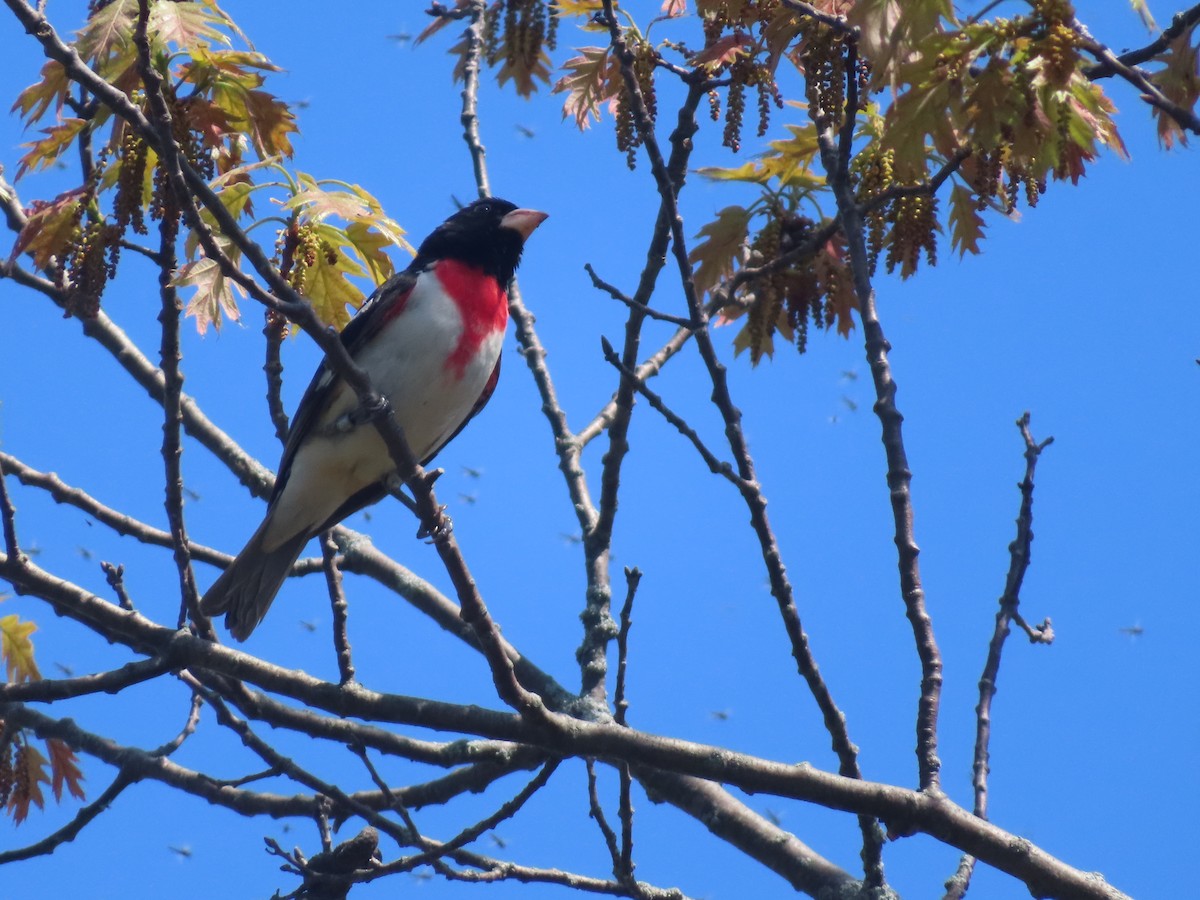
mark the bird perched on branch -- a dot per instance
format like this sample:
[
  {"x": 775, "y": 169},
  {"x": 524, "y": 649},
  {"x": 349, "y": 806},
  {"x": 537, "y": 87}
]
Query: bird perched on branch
[{"x": 429, "y": 339}]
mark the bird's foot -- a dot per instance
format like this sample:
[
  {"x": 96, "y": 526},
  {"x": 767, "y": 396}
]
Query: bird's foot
[{"x": 439, "y": 531}]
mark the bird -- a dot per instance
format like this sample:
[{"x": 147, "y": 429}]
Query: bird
[{"x": 429, "y": 339}]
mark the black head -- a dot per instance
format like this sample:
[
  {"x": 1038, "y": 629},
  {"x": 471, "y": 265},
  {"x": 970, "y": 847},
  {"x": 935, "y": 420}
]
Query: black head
[{"x": 488, "y": 233}]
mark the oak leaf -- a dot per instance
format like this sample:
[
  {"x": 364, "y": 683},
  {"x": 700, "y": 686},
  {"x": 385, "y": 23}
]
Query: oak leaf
[
  {"x": 50, "y": 228},
  {"x": 44, "y": 152},
  {"x": 214, "y": 292},
  {"x": 28, "y": 777},
  {"x": 17, "y": 650},
  {"x": 722, "y": 240},
  {"x": 64, "y": 769},
  {"x": 966, "y": 225}
]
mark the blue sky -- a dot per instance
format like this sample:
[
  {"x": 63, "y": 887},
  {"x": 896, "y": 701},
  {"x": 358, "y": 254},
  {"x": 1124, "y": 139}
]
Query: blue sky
[{"x": 1084, "y": 313}]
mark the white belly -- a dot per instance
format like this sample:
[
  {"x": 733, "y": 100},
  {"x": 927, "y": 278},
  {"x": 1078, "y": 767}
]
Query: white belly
[{"x": 407, "y": 364}]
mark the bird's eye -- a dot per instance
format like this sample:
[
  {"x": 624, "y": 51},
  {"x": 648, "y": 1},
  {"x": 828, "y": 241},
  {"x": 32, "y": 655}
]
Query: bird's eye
[{"x": 485, "y": 207}]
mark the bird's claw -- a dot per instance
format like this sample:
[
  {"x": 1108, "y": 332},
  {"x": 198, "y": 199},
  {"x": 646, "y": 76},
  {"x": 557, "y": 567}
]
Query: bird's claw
[{"x": 439, "y": 531}]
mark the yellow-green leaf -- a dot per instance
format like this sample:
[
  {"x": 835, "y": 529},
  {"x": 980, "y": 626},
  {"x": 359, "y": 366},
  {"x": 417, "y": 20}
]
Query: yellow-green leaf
[
  {"x": 17, "y": 649},
  {"x": 330, "y": 292},
  {"x": 35, "y": 100},
  {"x": 369, "y": 244},
  {"x": 44, "y": 152}
]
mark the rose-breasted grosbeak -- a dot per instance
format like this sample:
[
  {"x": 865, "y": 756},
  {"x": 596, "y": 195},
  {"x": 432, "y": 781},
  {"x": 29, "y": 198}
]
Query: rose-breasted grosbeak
[{"x": 429, "y": 339}]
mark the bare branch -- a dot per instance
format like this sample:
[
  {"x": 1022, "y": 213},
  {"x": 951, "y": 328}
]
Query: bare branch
[
  {"x": 49, "y": 690},
  {"x": 8, "y": 513},
  {"x": 956, "y": 887},
  {"x": 616, "y": 294},
  {"x": 716, "y": 466},
  {"x": 1180, "y": 23},
  {"x": 1109, "y": 63},
  {"x": 898, "y": 474}
]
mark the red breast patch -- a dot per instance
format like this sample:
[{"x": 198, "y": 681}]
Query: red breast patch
[{"x": 481, "y": 301}]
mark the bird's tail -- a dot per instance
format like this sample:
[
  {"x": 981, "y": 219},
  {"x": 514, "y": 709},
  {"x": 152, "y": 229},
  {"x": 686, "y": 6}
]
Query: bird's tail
[{"x": 245, "y": 590}]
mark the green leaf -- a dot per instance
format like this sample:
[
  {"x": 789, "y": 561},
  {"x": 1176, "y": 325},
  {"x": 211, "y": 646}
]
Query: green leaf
[
  {"x": 789, "y": 160},
  {"x": 329, "y": 291}
]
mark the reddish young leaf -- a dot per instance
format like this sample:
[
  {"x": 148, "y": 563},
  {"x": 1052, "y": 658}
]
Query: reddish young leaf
[
  {"x": 64, "y": 769},
  {"x": 593, "y": 78},
  {"x": 51, "y": 227},
  {"x": 29, "y": 774},
  {"x": 188, "y": 25},
  {"x": 722, "y": 51},
  {"x": 271, "y": 121}
]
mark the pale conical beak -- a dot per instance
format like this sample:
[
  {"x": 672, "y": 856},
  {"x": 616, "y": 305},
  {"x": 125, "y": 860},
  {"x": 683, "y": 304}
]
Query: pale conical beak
[{"x": 523, "y": 221}]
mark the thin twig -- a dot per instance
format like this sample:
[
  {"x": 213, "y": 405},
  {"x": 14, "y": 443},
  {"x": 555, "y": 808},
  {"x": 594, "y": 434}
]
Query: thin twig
[
  {"x": 71, "y": 830},
  {"x": 838, "y": 23},
  {"x": 115, "y": 576},
  {"x": 471, "y": 833},
  {"x": 337, "y": 601},
  {"x": 8, "y": 512},
  {"x": 122, "y": 524},
  {"x": 1185, "y": 118},
  {"x": 648, "y": 369},
  {"x": 781, "y": 587},
  {"x": 716, "y": 466},
  {"x": 274, "y": 330},
  {"x": 1181, "y": 22},
  {"x": 1019, "y": 553},
  {"x": 472, "y": 62},
  {"x": 625, "y": 867},
  {"x": 633, "y": 578},
  {"x": 49, "y": 690},
  {"x": 170, "y": 355},
  {"x": 616, "y": 294},
  {"x": 596, "y": 814}
]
